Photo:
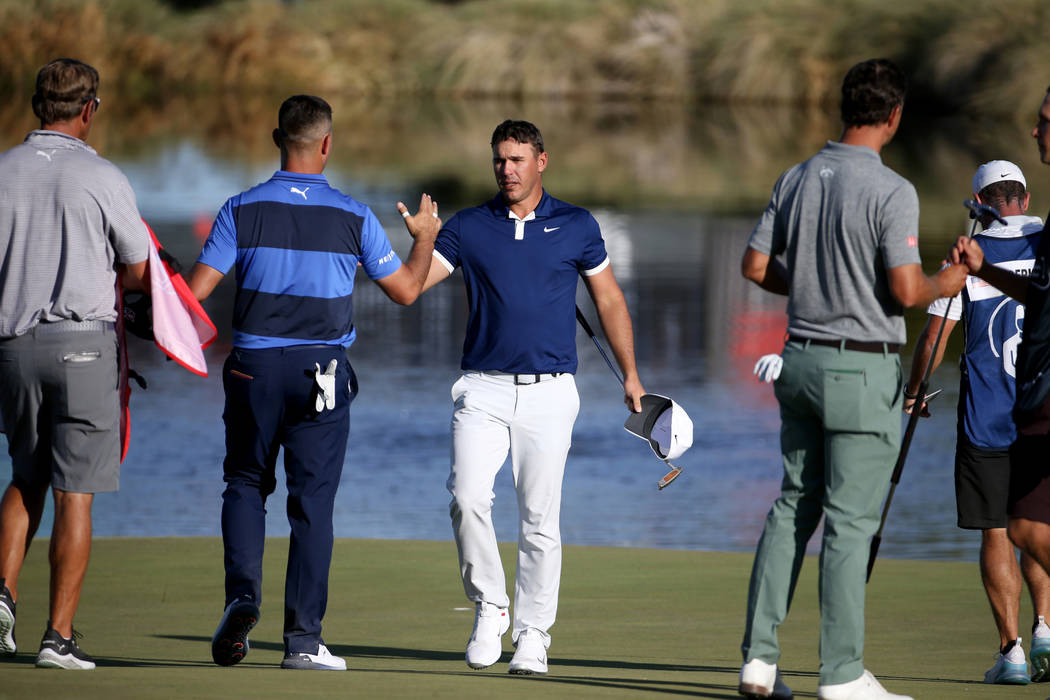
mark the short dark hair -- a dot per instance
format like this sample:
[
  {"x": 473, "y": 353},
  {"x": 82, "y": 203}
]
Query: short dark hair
[
  {"x": 871, "y": 90},
  {"x": 62, "y": 88},
  {"x": 303, "y": 119},
  {"x": 520, "y": 131},
  {"x": 999, "y": 194}
]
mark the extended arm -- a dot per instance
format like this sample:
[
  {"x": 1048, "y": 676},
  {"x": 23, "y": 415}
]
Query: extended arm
[
  {"x": 765, "y": 271},
  {"x": 203, "y": 280},
  {"x": 407, "y": 282},
  {"x": 616, "y": 323},
  {"x": 921, "y": 357},
  {"x": 912, "y": 288},
  {"x": 968, "y": 251}
]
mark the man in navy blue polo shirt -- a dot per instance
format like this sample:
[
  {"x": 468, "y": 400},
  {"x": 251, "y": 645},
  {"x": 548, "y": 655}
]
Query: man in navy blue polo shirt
[
  {"x": 296, "y": 243},
  {"x": 522, "y": 253}
]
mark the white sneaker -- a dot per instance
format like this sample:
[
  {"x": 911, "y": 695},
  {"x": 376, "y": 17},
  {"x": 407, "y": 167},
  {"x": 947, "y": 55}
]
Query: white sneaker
[
  {"x": 864, "y": 688},
  {"x": 1010, "y": 668},
  {"x": 485, "y": 645},
  {"x": 1040, "y": 653},
  {"x": 761, "y": 680},
  {"x": 323, "y": 660},
  {"x": 531, "y": 655}
]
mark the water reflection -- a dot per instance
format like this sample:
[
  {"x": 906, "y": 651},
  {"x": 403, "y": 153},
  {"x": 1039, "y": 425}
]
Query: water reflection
[{"x": 676, "y": 191}]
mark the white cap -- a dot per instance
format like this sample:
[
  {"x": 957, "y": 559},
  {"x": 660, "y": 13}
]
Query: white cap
[
  {"x": 997, "y": 171},
  {"x": 664, "y": 424}
]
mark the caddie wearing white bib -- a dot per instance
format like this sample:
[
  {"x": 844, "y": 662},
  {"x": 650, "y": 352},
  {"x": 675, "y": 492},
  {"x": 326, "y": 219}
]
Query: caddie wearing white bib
[{"x": 522, "y": 254}]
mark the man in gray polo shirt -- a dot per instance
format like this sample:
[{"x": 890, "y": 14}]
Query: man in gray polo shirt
[
  {"x": 840, "y": 239},
  {"x": 68, "y": 224}
]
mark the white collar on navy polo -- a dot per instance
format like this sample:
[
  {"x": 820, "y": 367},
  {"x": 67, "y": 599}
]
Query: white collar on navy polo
[{"x": 519, "y": 223}]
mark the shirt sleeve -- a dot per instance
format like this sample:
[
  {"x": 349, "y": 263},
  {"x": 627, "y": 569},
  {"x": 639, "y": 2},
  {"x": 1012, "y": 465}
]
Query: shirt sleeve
[
  {"x": 220, "y": 250},
  {"x": 446, "y": 247},
  {"x": 377, "y": 256},
  {"x": 940, "y": 308},
  {"x": 593, "y": 257},
  {"x": 127, "y": 230},
  {"x": 767, "y": 237},
  {"x": 898, "y": 219}
]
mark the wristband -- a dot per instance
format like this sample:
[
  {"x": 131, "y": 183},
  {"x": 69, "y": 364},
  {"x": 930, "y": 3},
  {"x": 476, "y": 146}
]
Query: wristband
[{"x": 913, "y": 397}]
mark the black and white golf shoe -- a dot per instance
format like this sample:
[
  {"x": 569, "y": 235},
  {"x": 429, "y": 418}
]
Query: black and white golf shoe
[{"x": 58, "y": 652}]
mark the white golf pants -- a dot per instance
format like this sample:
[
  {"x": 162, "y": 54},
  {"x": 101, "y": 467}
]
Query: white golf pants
[{"x": 494, "y": 416}]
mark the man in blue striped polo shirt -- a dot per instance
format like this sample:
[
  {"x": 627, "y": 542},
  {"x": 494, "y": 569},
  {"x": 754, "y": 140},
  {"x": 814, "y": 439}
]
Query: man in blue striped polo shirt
[
  {"x": 296, "y": 243},
  {"x": 522, "y": 255}
]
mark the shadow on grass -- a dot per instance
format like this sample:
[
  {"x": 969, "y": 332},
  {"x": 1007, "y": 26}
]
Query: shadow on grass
[
  {"x": 29, "y": 660},
  {"x": 352, "y": 651}
]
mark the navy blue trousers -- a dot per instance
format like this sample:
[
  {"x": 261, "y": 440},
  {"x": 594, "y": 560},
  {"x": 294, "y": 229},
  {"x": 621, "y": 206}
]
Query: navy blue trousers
[{"x": 270, "y": 396}]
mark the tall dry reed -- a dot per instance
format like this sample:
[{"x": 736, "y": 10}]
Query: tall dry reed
[{"x": 791, "y": 51}]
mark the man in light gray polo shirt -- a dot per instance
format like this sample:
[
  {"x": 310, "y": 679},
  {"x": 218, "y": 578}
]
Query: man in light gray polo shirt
[
  {"x": 840, "y": 239},
  {"x": 68, "y": 225}
]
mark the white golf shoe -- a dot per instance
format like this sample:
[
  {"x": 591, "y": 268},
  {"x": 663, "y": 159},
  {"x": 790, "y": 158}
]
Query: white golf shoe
[
  {"x": 485, "y": 645},
  {"x": 864, "y": 688},
  {"x": 761, "y": 680},
  {"x": 1040, "y": 653},
  {"x": 1010, "y": 668},
  {"x": 531, "y": 654},
  {"x": 323, "y": 660}
]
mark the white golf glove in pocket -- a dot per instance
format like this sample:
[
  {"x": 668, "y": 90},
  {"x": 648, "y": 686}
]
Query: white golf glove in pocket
[
  {"x": 325, "y": 386},
  {"x": 767, "y": 369}
]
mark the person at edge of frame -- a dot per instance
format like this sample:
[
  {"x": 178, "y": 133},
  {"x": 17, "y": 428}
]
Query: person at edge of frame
[
  {"x": 68, "y": 227},
  {"x": 993, "y": 324},
  {"x": 296, "y": 242},
  {"x": 840, "y": 239},
  {"x": 522, "y": 254},
  {"x": 1028, "y": 501}
]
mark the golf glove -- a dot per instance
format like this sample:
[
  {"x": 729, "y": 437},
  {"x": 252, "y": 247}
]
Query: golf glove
[
  {"x": 325, "y": 386},
  {"x": 767, "y": 369}
]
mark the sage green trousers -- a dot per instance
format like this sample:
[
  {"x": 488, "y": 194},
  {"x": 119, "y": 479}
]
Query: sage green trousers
[{"x": 840, "y": 434}]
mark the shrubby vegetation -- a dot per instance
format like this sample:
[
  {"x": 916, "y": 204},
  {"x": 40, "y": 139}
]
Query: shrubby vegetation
[{"x": 738, "y": 50}]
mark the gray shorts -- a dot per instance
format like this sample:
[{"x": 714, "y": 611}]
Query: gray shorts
[{"x": 60, "y": 406}]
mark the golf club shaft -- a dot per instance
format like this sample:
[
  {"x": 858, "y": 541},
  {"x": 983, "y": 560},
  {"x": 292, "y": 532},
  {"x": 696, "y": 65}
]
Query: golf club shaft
[
  {"x": 913, "y": 419},
  {"x": 587, "y": 329}
]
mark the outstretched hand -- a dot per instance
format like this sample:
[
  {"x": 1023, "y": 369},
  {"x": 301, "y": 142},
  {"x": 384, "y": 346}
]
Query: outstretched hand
[
  {"x": 968, "y": 252},
  {"x": 952, "y": 279},
  {"x": 425, "y": 224}
]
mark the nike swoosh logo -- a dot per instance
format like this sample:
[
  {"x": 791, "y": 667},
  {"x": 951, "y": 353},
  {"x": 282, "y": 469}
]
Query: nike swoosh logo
[
  {"x": 1003, "y": 174},
  {"x": 548, "y": 230}
]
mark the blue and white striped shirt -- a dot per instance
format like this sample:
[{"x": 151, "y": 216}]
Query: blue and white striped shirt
[{"x": 296, "y": 242}]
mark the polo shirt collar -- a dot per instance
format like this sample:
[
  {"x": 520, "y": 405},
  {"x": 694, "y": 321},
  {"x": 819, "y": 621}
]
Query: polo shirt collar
[
  {"x": 500, "y": 209},
  {"x": 45, "y": 138},
  {"x": 299, "y": 177}
]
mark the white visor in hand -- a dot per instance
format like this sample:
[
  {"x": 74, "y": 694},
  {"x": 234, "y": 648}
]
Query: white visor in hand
[{"x": 664, "y": 424}]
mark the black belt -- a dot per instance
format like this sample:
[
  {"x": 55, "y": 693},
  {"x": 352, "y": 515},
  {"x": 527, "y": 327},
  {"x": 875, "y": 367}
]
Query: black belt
[{"x": 857, "y": 345}]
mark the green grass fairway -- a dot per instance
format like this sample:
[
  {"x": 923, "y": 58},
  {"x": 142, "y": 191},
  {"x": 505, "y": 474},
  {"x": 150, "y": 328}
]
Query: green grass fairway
[{"x": 632, "y": 623}]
